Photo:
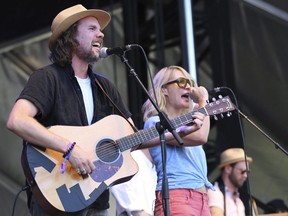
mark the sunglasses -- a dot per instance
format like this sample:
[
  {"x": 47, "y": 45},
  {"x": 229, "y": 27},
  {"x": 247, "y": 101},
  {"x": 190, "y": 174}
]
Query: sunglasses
[
  {"x": 181, "y": 82},
  {"x": 242, "y": 172}
]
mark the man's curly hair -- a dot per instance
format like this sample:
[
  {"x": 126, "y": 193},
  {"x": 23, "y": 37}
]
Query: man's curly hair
[{"x": 65, "y": 45}]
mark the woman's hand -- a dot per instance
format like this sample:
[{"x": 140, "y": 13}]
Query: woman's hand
[{"x": 199, "y": 94}]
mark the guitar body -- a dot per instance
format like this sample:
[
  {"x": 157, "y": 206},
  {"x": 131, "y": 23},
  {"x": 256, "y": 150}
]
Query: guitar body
[
  {"x": 71, "y": 192},
  {"x": 109, "y": 142}
]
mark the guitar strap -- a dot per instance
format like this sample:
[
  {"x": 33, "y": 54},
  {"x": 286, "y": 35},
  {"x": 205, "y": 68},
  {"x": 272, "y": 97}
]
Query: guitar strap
[
  {"x": 222, "y": 189},
  {"x": 106, "y": 94}
]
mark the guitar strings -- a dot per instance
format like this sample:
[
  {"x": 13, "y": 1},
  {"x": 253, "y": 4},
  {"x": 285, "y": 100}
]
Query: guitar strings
[{"x": 111, "y": 148}]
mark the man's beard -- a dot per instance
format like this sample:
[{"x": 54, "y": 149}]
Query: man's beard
[
  {"x": 235, "y": 182},
  {"x": 87, "y": 56}
]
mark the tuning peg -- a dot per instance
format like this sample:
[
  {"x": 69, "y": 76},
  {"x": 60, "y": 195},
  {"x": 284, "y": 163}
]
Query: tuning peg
[
  {"x": 229, "y": 114},
  {"x": 220, "y": 96},
  {"x": 222, "y": 116},
  {"x": 215, "y": 118}
]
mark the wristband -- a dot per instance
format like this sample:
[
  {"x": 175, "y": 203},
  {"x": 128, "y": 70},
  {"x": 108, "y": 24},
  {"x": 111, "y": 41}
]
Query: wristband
[{"x": 66, "y": 156}]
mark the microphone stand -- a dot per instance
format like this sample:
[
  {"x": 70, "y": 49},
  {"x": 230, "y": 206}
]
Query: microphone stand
[
  {"x": 277, "y": 145},
  {"x": 164, "y": 124},
  {"x": 219, "y": 89}
]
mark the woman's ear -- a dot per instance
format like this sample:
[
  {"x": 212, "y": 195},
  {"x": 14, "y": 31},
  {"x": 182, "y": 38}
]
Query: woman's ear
[{"x": 164, "y": 91}]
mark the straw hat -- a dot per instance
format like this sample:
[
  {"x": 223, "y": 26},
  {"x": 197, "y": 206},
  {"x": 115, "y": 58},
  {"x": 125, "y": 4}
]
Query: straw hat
[
  {"x": 69, "y": 16},
  {"x": 231, "y": 156}
]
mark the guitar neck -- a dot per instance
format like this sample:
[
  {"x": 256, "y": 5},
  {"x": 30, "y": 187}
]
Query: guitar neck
[
  {"x": 187, "y": 118},
  {"x": 145, "y": 135}
]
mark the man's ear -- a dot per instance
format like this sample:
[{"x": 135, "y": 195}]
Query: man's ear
[{"x": 228, "y": 169}]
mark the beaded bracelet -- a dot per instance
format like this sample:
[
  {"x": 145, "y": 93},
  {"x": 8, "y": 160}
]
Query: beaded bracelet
[
  {"x": 66, "y": 156},
  {"x": 69, "y": 149}
]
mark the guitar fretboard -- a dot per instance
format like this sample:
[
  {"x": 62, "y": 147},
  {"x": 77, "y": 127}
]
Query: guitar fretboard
[{"x": 151, "y": 133}]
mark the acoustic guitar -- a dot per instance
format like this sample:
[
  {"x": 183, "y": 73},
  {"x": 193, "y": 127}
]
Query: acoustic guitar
[{"x": 109, "y": 141}]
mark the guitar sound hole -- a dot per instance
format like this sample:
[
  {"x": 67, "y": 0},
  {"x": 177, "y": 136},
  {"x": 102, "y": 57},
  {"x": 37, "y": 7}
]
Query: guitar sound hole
[{"x": 107, "y": 150}]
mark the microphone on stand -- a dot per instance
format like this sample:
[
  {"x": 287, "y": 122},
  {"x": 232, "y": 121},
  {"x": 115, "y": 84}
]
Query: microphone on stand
[
  {"x": 105, "y": 52},
  {"x": 217, "y": 90}
]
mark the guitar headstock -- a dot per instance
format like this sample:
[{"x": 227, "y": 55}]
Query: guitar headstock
[{"x": 220, "y": 106}]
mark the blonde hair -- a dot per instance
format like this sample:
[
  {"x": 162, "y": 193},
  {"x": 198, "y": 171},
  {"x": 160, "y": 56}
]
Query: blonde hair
[{"x": 161, "y": 78}]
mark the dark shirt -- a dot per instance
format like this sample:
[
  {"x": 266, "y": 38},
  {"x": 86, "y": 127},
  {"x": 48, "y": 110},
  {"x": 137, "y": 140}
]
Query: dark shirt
[
  {"x": 54, "y": 90},
  {"x": 56, "y": 93}
]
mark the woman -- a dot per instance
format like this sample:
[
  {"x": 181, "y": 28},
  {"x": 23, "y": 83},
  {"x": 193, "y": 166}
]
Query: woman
[{"x": 177, "y": 94}]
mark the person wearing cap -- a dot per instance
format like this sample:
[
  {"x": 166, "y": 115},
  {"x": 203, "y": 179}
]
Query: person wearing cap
[
  {"x": 66, "y": 93},
  {"x": 225, "y": 200}
]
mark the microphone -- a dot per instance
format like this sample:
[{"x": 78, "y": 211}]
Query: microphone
[
  {"x": 216, "y": 90},
  {"x": 105, "y": 52}
]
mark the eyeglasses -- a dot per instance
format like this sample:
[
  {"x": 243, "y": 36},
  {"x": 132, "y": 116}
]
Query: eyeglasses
[
  {"x": 242, "y": 172},
  {"x": 181, "y": 82}
]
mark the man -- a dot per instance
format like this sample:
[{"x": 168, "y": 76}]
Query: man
[
  {"x": 233, "y": 175},
  {"x": 66, "y": 93}
]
